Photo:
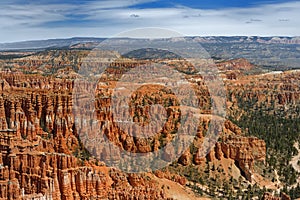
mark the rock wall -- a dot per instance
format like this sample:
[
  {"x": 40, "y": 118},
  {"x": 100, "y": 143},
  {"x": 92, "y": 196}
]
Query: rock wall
[
  {"x": 43, "y": 156},
  {"x": 244, "y": 150},
  {"x": 38, "y": 144}
]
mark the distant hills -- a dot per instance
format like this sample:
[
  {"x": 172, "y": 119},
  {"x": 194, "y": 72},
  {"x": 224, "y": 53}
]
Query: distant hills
[
  {"x": 150, "y": 53},
  {"x": 270, "y": 52},
  {"x": 69, "y": 42},
  {"x": 51, "y": 43}
]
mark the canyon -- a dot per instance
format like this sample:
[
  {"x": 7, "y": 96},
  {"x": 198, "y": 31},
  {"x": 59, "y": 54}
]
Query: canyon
[{"x": 43, "y": 154}]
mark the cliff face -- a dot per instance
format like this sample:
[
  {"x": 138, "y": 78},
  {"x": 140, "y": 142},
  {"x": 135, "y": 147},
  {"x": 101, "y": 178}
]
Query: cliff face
[
  {"x": 38, "y": 144},
  {"x": 235, "y": 68},
  {"x": 245, "y": 151},
  {"x": 274, "y": 92},
  {"x": 41, "y": 155}
]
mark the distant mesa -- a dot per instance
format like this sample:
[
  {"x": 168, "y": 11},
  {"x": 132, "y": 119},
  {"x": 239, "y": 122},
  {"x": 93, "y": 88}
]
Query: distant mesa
[{"x": 151, "y": 54}]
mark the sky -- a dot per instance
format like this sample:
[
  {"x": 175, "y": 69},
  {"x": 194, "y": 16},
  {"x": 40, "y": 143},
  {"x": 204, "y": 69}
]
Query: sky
[{"x": 45, "y": 19}]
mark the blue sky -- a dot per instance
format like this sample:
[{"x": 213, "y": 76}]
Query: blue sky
[
  {"x": 208, "y": 4},
  {"x": 27, "y": 20}
]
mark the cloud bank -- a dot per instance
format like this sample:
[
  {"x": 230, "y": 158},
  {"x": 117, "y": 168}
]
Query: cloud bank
[{"x": 107, "y": 18}]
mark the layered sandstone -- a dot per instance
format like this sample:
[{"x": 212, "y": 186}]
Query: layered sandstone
[
  {"x": 44, "y": 152},
  {"x": 38, "y": 144},
  {"x": 245, "y": 151}
]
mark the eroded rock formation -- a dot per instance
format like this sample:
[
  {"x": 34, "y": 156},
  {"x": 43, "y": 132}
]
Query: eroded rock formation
[
  {"x": 39, "y": 145},
  {"x": 43, "y": 154}
]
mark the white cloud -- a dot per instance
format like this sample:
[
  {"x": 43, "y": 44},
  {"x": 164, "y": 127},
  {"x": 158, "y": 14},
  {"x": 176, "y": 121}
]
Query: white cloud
[
  {"x": 17, "y": 17},
  {"x": 107, "y": 18},
  {"x": 111, "y": 4}
]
